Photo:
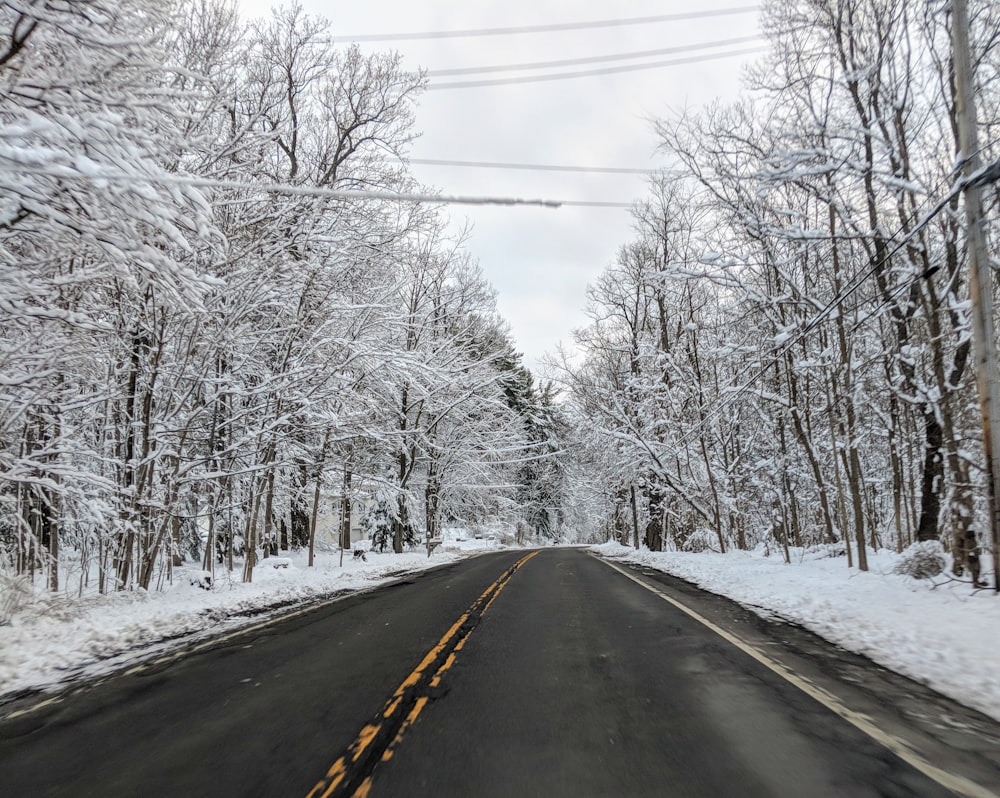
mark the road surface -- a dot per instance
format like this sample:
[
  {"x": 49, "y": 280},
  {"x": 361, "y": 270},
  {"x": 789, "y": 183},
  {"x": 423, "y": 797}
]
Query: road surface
[{"x": 518, "y": 673}]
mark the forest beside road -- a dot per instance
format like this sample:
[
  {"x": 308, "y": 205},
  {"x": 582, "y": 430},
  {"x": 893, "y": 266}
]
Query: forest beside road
[{"x": 528, "y": 673}]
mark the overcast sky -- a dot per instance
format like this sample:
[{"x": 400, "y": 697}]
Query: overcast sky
[{"x": 541, "y": 260}]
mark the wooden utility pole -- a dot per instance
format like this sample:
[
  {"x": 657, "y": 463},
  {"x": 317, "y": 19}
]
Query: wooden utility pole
[{"x": 980, "y": 277}]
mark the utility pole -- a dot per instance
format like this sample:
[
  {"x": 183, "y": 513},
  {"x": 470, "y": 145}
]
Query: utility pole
[{"x": 980, "y": 276}]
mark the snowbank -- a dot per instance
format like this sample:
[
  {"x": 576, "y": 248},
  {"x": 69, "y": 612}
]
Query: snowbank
[
  {"x": 53, "y": 638},
  {"x": 936, "y": 631}
]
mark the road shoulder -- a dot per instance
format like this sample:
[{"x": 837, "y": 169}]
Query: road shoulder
[{"x": 955, "y": 738}]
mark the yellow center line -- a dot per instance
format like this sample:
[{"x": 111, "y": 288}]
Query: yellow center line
[
  {"x": 365, "y": 738},
  {"x": 431, "y": 656},
  {"x": 418, "y": 707},
  {"x": 338, "y": 772},
  {"x": 444, "y": 666}
]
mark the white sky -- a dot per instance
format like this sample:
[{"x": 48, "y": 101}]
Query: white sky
[{"x": 541, "y": 260}]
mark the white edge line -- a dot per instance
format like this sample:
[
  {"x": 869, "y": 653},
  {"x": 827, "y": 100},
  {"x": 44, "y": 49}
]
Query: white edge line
[{"x": 957, "y": 784}]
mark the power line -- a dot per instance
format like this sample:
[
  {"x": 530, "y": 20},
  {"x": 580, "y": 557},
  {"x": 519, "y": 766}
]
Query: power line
[
  {"x": 538, "y": 167},
  {"x": 592, "y": 72},
  {"x": 605, "y": 23},
  {"x": 63, "y": 173},
  {"x": 595, "y": 204},
  {"x": 988, "y": 175},
  {"x": 277, "y": 188},
  {"x": 596, "y": 59},
  {"x": 853, "y": 284}
]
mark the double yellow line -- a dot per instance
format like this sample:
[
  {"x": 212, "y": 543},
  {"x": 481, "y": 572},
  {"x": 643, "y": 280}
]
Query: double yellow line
[{"x": 351, "y": 774}]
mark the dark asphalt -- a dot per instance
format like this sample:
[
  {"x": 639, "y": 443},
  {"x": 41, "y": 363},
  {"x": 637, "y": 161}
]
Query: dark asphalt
[{"x": 575, "y": 682}]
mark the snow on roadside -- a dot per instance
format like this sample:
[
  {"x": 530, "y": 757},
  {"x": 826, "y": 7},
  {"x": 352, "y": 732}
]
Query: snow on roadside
[
  {"x": 53, "y": 639},
  {"x": 937, "y": 632}
]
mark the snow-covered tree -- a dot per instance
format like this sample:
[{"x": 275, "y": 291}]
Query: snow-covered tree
[{"x": 783, "y": 350}]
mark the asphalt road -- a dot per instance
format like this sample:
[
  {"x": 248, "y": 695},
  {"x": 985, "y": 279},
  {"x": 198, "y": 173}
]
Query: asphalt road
[{"x": 506, "y": 675}]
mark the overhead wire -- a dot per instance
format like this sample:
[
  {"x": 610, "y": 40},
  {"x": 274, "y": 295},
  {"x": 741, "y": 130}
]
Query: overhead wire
[
  {"x": 584, "y": 25},
  {"x": 550, "y": 28},
  {"x": 197, "y": 182},
  {"x": 587, "y": 73},
  {"x": 539, "y": 167},
  {"x": 108, "y": 176},
  {"x": 593, "y": 59},
  {"x": 570, "y": 75},
  {"x": 546, "y": 167},
  {"x": 853, "y": 284},
  {"x": 595, "y": 204},
  {"x": 98, "y": 176},
  {"x": 982, "y": 178}
]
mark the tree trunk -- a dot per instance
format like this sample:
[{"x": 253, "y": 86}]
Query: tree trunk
[
  {"x": 635, "y": 519},
  {"x": 931, "y": 477},
  {"x": 316, "y": 492},
  {"x": 345, "y": 506},
  {"x": 300, "y": 525},
  {"x": 314, "y": 516},
  {"x": 250, "y": 533},
  {"x": 432, "y": 499},
  {"x": 267, "y": 539}
]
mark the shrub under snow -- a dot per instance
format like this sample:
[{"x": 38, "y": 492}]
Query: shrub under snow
[
  {"x": 700, "y": 540},
  {"x": 14, "y": 591},
  {"x": 922, "y": 560}
]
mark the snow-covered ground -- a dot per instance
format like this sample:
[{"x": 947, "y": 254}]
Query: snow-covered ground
[
  {"x": 937, "y": 631},
  {"x": 53, "y": 638}
]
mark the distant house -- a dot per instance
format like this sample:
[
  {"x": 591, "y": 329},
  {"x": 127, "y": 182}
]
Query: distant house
[{"x": 328, "y": 521}]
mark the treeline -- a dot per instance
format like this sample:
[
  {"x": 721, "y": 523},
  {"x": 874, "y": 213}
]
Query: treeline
[
  {"x": 210, "y": 324},
  {"x": 782, "y": 354}
]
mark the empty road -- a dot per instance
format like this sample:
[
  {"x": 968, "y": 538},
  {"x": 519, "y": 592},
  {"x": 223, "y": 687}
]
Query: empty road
[{"x": 548, "y": 673}]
